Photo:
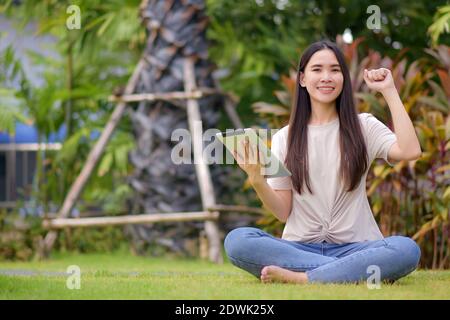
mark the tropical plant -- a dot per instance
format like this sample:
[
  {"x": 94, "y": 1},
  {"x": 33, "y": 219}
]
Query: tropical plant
[
  {"x": 11, "y": 103},
  {"x": 256, "y": 42},
  {"x": 74, "y": 94},
  {"x": 441, "y": 24}
]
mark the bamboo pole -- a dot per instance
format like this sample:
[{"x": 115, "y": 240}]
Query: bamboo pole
[
  {"x": 201, "y": 168},
  {"x": 218, "y": 207},
  {"x": 61, "y": 223},
  {"x": 175, "y": 95},
  {"x": 230, "y": 108},
  {"x": 228, "y": 208},
  {"x": 231, "y": 102},
  {"x": 94, "y": 155}
]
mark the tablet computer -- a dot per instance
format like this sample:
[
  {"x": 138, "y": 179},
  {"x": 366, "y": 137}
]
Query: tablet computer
[{"x": 271, "y": 166}]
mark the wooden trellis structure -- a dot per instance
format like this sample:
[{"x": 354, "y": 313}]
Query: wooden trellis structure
[{"x": 210, "y": 213}]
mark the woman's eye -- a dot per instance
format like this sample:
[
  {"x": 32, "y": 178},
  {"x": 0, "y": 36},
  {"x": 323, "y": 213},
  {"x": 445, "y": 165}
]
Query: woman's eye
[
  {"x": 336, "y": 70},
  {"x": 315, "y": 69}
]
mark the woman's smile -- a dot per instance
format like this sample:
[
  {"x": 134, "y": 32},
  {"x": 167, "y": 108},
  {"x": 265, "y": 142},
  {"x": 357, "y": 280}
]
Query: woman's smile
[{"x": 326, "y": 89}]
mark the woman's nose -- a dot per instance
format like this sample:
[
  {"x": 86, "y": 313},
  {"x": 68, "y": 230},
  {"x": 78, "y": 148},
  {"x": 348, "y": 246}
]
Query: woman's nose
[{"x": 326, "y": 76}]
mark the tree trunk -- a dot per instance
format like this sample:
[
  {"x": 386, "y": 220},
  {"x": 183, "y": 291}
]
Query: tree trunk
[{"x": 176, "y": 30}]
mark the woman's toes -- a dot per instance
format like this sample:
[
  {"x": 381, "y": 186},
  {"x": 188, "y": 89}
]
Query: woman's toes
[
  {"x": 264, "y": 271},
  {"x": 265, "y": 274}
]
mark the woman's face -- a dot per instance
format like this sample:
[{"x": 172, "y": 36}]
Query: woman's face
[{"x": 323, "y": 77}]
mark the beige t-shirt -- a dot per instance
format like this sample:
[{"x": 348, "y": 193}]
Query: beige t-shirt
[{"x": 331, "y": 214}]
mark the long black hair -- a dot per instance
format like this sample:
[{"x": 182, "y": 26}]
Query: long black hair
[{"x": 354, "y": 159}]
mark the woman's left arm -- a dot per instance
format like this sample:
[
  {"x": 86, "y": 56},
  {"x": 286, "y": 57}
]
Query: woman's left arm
[{"x": 407, "y": 146}]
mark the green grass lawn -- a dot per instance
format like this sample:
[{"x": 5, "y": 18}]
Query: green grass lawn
[{"x": 123, "y": 276}]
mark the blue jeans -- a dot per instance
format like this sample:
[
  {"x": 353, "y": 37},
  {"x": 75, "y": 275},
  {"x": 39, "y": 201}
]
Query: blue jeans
[{"x": 252, "y": 249}]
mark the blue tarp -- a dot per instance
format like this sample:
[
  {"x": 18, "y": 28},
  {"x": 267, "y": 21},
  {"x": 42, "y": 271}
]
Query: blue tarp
[{"x": 28, "y": 134}]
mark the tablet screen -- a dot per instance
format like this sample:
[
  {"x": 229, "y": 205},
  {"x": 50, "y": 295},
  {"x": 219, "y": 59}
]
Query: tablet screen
[{"x": 271, "y": 165}]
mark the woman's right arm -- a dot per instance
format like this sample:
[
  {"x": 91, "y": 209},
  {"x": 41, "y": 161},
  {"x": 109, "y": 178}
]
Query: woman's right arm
[{"x": 279, "y": 202}]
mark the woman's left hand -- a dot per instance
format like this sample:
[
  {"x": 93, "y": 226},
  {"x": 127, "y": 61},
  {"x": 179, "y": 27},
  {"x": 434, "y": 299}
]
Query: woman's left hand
[{"x": 379, "y": 79}]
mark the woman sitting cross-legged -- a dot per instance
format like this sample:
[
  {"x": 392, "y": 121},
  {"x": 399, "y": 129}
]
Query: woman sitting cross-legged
[{"x": 330, "y": 234}]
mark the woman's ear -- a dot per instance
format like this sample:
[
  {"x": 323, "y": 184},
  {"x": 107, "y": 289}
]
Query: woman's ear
[{"x": 302, "y": 79}]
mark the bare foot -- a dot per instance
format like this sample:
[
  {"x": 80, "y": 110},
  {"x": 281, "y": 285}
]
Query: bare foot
[{"x": 278, "y": 274}]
